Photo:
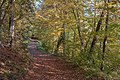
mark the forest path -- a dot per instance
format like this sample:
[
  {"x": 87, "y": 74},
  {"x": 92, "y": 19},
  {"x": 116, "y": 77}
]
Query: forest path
[{"x": 48, "y": 67}]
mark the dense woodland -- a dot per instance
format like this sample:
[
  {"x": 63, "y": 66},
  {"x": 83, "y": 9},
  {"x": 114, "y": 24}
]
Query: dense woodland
[{"x": 84, "y": 32}]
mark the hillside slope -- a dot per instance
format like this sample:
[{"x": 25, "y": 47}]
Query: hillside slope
[{"x": 12, "y": 64}]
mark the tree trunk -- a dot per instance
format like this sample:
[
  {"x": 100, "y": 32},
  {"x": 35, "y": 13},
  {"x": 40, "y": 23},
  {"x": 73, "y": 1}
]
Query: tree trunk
[
  {"x": 60, "y": 40},
  {"x": 11, "y": 23},
  {"x": 77, "y": 17},
  {"x": 97, "y": 29},
  {"x": 105, "y": 39},
  {"x": 1, "y": 16},
  {"x": 64, "y": 39}
]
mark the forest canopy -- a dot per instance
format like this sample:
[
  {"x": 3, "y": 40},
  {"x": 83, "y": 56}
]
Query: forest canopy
[
  {"x": 84, "y": 32},
  {"x": 87, "y": 32}
]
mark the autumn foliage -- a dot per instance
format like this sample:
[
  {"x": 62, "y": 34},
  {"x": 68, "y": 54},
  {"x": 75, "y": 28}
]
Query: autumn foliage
[{"x": 13, "y": 65}]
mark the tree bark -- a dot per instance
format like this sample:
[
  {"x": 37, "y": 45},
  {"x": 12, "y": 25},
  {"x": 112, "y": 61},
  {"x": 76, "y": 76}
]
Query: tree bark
[
  {"x": 2, "y": 16},
  {"x": 11, "y": 23},
  {"x": 77, "y": 17},
  {"x": 64, "y": 39},
  {"x": 105, "y": 38},
  {"x": 60, "y": 40},
  {"x": 97, "y": 29}
]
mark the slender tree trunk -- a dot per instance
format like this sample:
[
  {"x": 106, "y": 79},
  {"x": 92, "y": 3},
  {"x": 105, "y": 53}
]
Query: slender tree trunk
[
  {"x": 77, "y": 17},
  {"x": 2, "y": 4},
  {"x": 1, "y": 11},
  {"x": 11, "y": 23},
  {"x": 97, "y": 29},
  {"x": 1, "y": 16},
  {"x": 64, "y": 39},
  {"x": 74, "y": 40},
  {"x": 95, "y": 37},
  {"x": 105, "y": 39},
  {"x": 60, "y": 41}
]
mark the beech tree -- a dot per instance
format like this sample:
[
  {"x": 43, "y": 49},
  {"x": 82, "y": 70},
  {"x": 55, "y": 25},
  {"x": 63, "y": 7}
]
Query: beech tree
[
  {"x": 11, "y": 22},
  {"x": 83, "y": 31},
  {"x": 86, "y": 32}
]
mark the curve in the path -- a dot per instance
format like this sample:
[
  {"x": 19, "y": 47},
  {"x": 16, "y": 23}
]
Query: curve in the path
[{"x": 48, "y": 67}]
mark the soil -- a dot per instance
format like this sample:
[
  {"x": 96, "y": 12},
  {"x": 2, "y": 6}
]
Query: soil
[
  {"x": 49, "y": 67},
  {"x": 12, "y": 64}
]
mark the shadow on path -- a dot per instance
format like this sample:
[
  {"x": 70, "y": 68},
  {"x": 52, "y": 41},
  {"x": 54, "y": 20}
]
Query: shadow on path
[{"x": 47, "y": 67}]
